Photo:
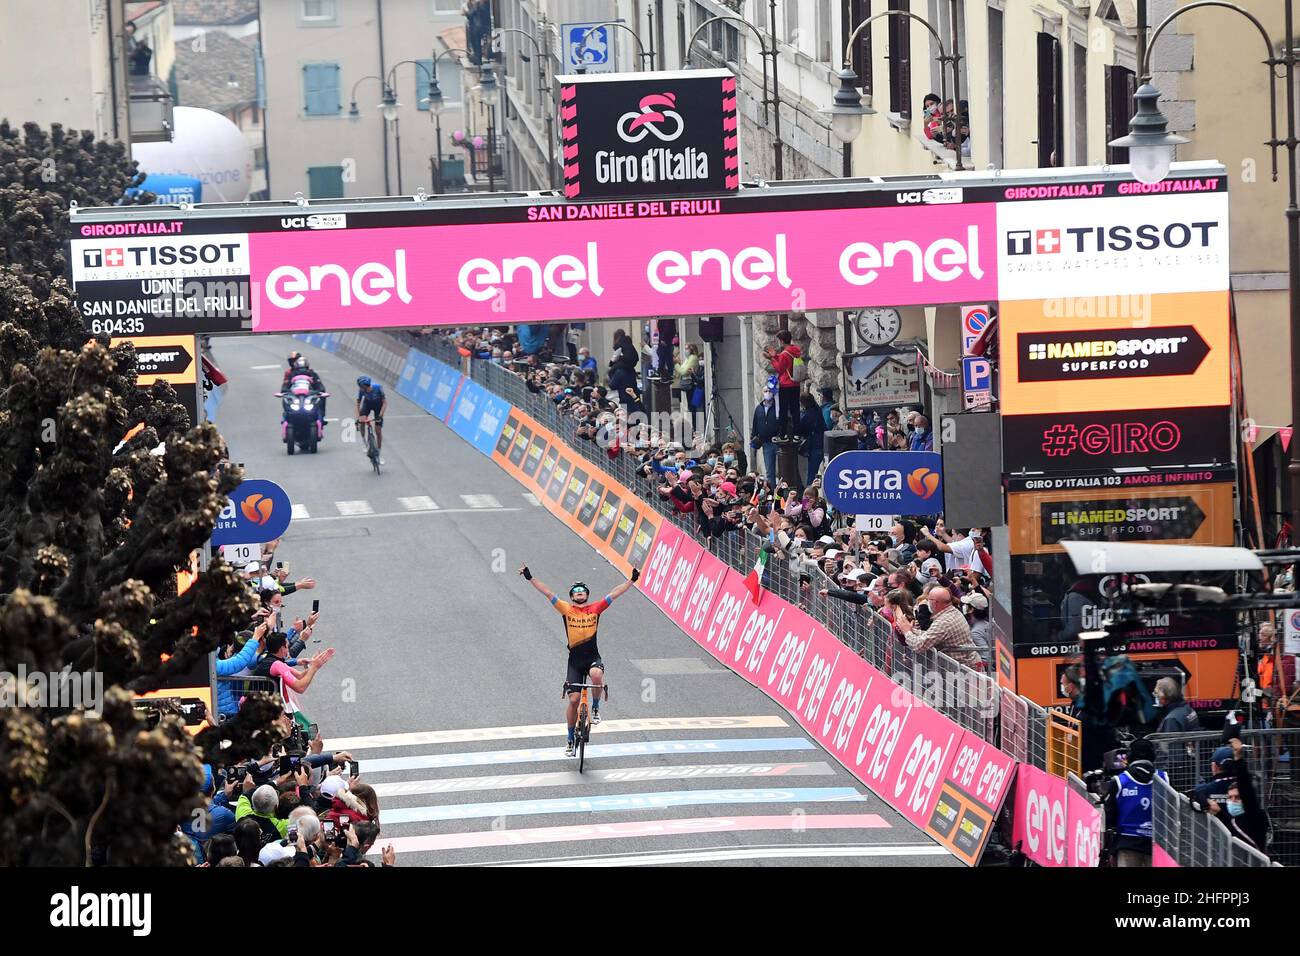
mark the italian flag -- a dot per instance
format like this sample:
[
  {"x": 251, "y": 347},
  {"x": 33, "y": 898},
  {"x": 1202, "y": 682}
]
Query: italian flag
[{"x": 753, "y": 580}]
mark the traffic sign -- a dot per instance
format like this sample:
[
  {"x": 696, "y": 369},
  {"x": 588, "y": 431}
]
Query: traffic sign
[
  {"x": 976, "y": 382},
  {"x": 258, "y": 512},
  {"x": 598, "y": 54},
  {"x": 974, "y": 320}
]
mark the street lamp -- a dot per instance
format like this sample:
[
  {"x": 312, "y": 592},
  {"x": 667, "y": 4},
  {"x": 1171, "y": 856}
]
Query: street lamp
[
  {"x": 847, "y": 109},
  {"x": 542, "y": 82},
  {"x": 436, "y": 106},
  {"x": 389, "y": 107},
  {"x": 1149, "y": 143},
  {"x": 1151, "y": 151},
  {"x": 354, "y": 114},
  {"x": 765, "y": 50},
  {"x": 488, "y": 90},
  {"x": 844, "y": 106}
]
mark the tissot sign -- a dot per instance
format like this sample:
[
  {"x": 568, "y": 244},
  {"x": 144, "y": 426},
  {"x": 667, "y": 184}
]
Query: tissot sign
[
  {"x": 649, "y": 134},
  {"x": 150, "y": 270}
]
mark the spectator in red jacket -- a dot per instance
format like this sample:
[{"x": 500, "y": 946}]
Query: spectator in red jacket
[{"x": 787, "y": 398}]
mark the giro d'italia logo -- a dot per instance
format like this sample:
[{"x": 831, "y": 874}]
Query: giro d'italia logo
[{"x": 656, "y": 117}]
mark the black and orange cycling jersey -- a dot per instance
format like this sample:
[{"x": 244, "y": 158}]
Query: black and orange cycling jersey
[{"x": 580, "y": 620}]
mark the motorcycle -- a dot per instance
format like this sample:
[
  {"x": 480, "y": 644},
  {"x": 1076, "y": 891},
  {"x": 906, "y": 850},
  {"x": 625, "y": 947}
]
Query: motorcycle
[{"x": 301, "y": 425}]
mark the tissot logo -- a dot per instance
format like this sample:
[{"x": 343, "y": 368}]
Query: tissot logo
[
  {"x": 1082, "y": 240},
  {"x": 113, "y": 258},
  {"x": 92, "y": 258}
]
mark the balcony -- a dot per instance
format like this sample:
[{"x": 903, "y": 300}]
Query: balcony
[{"x": 151, "y": 110}]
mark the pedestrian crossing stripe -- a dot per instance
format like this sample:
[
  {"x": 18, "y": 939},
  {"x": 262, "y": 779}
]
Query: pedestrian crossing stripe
[
  {"x": 299, "y": 512},
  {"x": 532, "y": 499},
  {"x": 354, "y": 507},
  {"x": 733, "y": 853},
  {"x": 418, "y": 503},
  {"x": 555, "y": 752},
  {"x": 620, "y": 802},
  {"x": 480, "y": 501},
  {"x": 628, "y": 725},
  {"x": 632, "y": 830},
  {"x": 571, "y": 778}
]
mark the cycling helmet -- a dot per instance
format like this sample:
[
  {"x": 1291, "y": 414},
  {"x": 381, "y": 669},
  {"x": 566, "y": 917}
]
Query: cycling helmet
[
  {"x": 293, "y": 358},
  {"x": 579, "y": 586},
  {"x": 300, "y": 362},
  {"x": 363, "y": 381}
]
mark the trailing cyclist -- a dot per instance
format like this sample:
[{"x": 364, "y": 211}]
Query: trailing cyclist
[
  {"x": 371, "y": 404},
  {"x": 580, "y": 622}
]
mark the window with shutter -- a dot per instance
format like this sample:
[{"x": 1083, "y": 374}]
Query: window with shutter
[
  {"x": 423, "y": 70},
  {"x": 1120, "y": 86},
  {"x": 1050, "y": 134},
  {"x": 860, "y": 62},
  {"x": 320, "y": 83},
  {"x": 900, "y": 61},
  {"x": 325, "y": 182}
]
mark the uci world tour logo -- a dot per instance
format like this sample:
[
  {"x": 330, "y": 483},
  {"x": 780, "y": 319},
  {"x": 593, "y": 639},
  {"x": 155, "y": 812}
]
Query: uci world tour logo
[{"x": 653, "y": 118}]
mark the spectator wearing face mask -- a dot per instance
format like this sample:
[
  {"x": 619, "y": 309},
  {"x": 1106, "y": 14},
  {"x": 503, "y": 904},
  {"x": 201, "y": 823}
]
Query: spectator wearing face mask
[
  {"x": 1241, "y": 811},
  {"x": 981, "y": 628},
  {"x": 763, "y": 433},
  {"x": 812, "y": 432},
  {"x": 921, "y": 438},
  {"x": 1177, "y": 716}
]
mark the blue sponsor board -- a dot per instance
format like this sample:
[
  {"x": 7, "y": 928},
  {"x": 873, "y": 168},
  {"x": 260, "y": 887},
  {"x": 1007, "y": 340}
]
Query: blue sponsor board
[
  {"x": 465, "y": 417},
  {"x": 326, "y": 341},
  {"x": 491, "y": 419},
  {"x": 258, "y": 512},
  {"x": 885, "y": 482}
]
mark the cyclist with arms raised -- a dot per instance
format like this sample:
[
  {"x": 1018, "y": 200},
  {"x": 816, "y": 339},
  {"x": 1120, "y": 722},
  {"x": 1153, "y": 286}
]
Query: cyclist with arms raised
[
  {"x": 580, "y": 622},
  {"x": 372, "y": 402}
]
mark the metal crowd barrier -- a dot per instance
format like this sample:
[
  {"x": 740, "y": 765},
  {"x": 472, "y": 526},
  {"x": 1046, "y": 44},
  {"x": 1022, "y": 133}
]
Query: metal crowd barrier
[
  {"x": 1192, "y": 838},
  {"x": 966, "y": 696},
  {"x": 1271, "y": 755},
  {"x": 243, "y": 686},
  {"x": 1023, "y": 728}
]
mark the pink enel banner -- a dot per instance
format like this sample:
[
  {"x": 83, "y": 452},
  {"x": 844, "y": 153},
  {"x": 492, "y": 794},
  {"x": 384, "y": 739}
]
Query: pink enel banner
[
  {"x": 982, "y": 772},
  {"x": 319, "y": 280},
  {"x": 1084, "y": 820},
  {"x": 1053, "y": 824},
  {"x": 896, "y": 744}
]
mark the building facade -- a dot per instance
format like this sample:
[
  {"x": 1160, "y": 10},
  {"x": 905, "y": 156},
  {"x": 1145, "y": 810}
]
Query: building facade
[{"x": 323, "y": 56}]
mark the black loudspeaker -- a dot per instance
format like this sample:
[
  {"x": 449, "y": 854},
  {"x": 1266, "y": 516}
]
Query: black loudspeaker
[
  {"x": 711, "y": 328},
  {"x": 840, "y": 441}
]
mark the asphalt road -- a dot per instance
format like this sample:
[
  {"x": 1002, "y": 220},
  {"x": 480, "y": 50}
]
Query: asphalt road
[{"x": 446, "y": 683}]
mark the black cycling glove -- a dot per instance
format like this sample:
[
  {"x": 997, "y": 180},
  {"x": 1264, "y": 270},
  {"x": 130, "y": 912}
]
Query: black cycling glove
[
  {"x": 528, "y": 575},
  {"x": 635, "y": 574}
]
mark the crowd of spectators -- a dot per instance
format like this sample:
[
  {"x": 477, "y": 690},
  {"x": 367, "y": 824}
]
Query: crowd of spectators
[
  {"x": 931, "y": 583},
  {"x": 298, "y": 804}
]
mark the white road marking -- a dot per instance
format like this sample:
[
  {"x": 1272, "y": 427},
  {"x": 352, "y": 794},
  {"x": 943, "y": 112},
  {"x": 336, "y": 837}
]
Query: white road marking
[
  {"x": 481, "y": 501},
  {"x": 408, "y": 514},
  {"x": 630, "y": 725},
  {"x": 263, "y": 368},
  {"x": 724, "y": 854},
  {"x": 418, "y": 503},
  {"x": 571, "y": 778},
  {"x": 300, "y": 513},
  {"x": 532, "y": 499},
  {"x": 349, "y": 508}
]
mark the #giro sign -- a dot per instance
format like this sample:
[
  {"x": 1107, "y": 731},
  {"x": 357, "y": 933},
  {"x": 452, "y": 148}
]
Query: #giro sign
[
  {"x": 258, "y": 512},
  {"x": 885, "y": 482}
]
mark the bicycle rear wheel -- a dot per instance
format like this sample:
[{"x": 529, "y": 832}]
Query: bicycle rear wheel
[{"x": 373, "y": 450}]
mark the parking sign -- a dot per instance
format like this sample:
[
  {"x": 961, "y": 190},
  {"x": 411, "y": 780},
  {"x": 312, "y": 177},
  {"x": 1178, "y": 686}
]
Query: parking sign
[
  {"x": 598, "y": 54},
  {"x": 976, "y": 383}
]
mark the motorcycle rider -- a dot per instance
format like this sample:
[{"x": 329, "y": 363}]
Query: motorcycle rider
[{"x": 302, "y": 368}]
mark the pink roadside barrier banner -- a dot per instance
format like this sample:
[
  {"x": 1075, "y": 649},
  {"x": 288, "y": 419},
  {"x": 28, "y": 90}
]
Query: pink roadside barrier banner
[{"x": 899, "y": 746}]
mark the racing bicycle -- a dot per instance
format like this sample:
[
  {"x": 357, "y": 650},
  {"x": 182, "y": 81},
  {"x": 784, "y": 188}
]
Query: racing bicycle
[
  {"x": 368, "y": 438},
  {"x": 582, "y": 730}
]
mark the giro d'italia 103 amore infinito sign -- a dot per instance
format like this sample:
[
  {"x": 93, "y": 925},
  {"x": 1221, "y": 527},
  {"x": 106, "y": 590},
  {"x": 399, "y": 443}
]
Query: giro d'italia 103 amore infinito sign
[{"x": 641, "y": 134}]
